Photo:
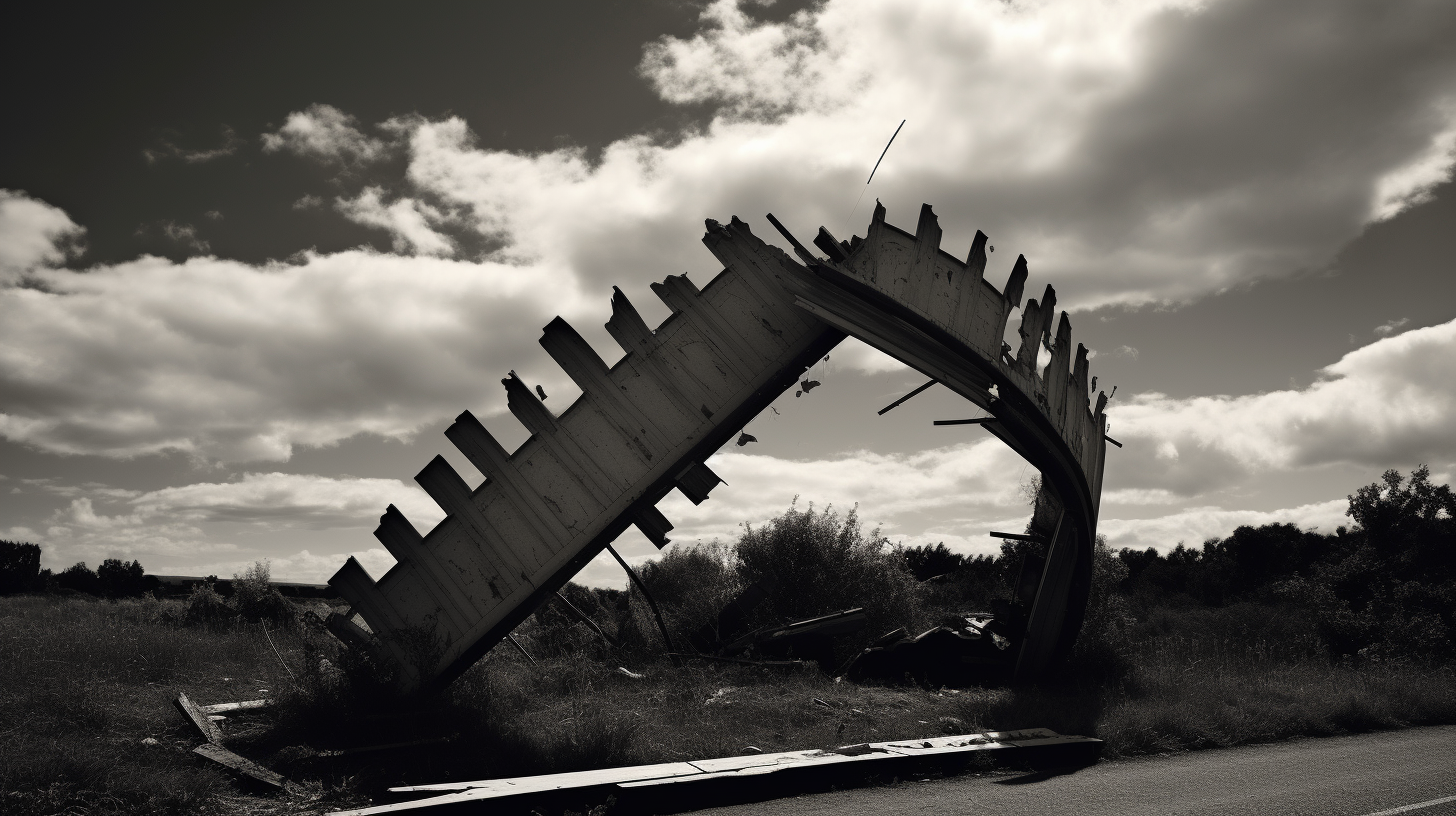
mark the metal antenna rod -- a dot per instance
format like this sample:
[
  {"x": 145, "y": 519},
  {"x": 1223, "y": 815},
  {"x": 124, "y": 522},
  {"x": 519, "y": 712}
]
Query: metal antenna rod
[
  {"x": 631, "y": 573},
  {"x": 860, "y": 197},
  {"x": 897, "y": 402},
  {"x": 883, "y": 152}
]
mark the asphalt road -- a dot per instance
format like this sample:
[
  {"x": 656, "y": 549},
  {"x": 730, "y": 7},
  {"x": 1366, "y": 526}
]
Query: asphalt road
[{"x": 1403, "y": 772}]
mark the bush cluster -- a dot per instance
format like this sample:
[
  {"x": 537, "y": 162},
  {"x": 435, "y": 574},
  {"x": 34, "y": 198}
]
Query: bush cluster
[
  {"x": 253, "y": 600},
  {"x": 1383, "y": 589}
]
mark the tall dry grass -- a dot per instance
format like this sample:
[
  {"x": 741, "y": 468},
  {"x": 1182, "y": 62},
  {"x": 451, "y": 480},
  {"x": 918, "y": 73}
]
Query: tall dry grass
[{"x": 84, "y": 682}]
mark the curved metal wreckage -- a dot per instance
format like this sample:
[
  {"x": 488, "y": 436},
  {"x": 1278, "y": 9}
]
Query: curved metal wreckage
[{"x": 646, "y": 424}]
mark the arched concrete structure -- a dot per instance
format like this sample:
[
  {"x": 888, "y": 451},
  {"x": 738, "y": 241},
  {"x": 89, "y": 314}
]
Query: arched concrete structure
[{"x": 646, "y": 424}]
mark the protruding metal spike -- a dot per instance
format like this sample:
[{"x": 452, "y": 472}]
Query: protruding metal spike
[
  {"x": 575, "y": 356},
  {"x": 927, "y": 229},
  {"x": 397, "y": 535},
  {"x": 830, "y": 246}
]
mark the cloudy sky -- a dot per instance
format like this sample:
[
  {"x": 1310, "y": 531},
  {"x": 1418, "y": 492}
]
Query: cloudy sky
[{"x": 253, "y": 260}]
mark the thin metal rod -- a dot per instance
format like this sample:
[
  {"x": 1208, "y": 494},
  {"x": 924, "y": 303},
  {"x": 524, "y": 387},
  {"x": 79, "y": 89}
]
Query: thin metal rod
[
  {"x": 907, "y": 396},
  {"x": 521, "y": 649},
  {"x": 631, "y": 573},
  {"x": 1019, "y": 537},
  {"x": 581, "y": 616},
  {"x": 800, "y": 249},
  {"x": 974, "y": 421},
  {"x": 1113, "y": 441},
  {"x": 883, "y": 152}
]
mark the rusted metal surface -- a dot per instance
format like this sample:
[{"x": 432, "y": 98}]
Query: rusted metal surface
[{"x": 646, "y": 424}]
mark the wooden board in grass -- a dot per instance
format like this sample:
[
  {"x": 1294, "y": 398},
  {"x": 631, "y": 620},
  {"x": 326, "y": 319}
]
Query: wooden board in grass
[
  {"x": 199, "y": 719},
  {"x": 218, "y": 708},
  {"x": 246, "y": 767},
  {"x": 893, "y": 754}
]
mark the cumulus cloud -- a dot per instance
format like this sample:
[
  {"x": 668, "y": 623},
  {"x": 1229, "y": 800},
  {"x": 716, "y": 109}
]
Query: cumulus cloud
[
  {"x": 171, "y": 523},
  {"x": 409, "y": 221},
  {"x": 1413, "y": 182},
  {"x": 1134, "y": 151},
  {"x": 1388, "y": 403},
  {"x": 1195, "y": 525},
  {"x": 325, "y": 133},
  {"x": 33, "y": 234},
  {"x": 232, "y": 362},
  {"x": 186, "y": 235},
  {"x": 1391, "y": 326},
  {"x": 296, "y": 500},
  {"x": 955, "y": 494}
]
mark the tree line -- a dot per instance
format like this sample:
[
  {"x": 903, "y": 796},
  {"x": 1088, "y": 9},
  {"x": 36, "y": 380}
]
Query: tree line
[
  {"x": 1382, "y": 587},
  {"x": 20, "y": 571}
]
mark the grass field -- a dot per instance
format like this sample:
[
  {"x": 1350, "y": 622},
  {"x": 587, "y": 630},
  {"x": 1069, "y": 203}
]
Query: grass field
[{"x": 87, "y": 726}]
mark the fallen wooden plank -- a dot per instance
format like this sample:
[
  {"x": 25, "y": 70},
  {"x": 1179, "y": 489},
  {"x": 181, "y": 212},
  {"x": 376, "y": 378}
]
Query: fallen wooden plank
[
  {"x": 677, "y": 773},
  {"x": 207, "y": 728},
  {"x": 218, "y": 708},
  {"x": 246, "y": 767},
  {"x": 578, "y": 779}
]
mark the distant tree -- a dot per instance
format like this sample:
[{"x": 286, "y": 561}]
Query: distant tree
[
  {"x": 1387, "y": 589},
  {"x": 1411, "y": 525},
  {"x": 19, "y": 567},
  {"x": 928, "y": 561},
  {"x": 79, "y": 578},
  {"x": 121, "y": 579}
]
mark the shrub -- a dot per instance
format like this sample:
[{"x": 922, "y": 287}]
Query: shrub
[
  {"x": 824, "y": 564},
  {"x": 257, "y": 600},
  {"x": 691, "y": 584},
  {"x": 204, "y": 606},
  {"x": 19, "y": 567}
]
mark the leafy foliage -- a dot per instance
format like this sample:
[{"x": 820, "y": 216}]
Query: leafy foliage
[
  {"x": 823, "y": 563},
  {"x": 255, "y": 599},
  {"x": 79, "y": 578},
  {"x": 121, "y": 579},
  {"x": 19, "y": 567},
  {"x": 1384, "y": 589}
]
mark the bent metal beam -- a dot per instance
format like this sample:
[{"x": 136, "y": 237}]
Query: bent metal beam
[{"x": 646, "y": 424}]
